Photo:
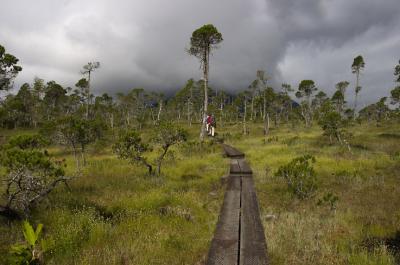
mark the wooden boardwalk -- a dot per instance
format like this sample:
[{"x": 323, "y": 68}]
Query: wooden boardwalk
[{"x": 239, "y": 237}]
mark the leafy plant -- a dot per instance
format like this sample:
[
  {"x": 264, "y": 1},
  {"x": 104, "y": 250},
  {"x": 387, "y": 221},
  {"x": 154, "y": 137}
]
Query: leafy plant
[
  {"x": 28, "y": 253},
  {"x": 299, "y": 176}
]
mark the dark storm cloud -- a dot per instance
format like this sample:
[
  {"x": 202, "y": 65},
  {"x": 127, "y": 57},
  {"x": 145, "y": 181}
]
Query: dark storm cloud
[{"x": 142, "y": 43}]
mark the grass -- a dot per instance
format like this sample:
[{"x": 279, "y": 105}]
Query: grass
[
  {"x": 116, "y": 214},
  {"x": 366, "y": 181}
]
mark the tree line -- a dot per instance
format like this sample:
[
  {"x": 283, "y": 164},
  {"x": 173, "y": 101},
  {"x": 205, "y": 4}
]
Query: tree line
[
  {"x": 40, "y": 102},
  {"x": 76, "y": 117}
]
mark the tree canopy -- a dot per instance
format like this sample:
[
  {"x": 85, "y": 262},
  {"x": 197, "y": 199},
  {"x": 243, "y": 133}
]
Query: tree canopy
[
  {"x": 203, "y": 40},
  {"x": 8, "y": 69}
]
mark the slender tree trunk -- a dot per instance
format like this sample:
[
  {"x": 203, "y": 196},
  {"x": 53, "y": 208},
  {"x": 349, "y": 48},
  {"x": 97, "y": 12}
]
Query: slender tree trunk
[
  {"x": 160, "y": 159},
  {"x": 112, "y": 121},
  {"x": 305, "y": 116},
  {"x": 252, "y": 108},
  {"x": 221, "y": 109},
  {"x": 190, "y": 106},
  {"x": 244, "y": 118},
  {"x": 159, "y": 110},
  {"x": 205, "y": 77},
  {"x": 188, "y": 113},
  {"x": 266, "y": 124},
  {"x": 287, "y": 114},
  {"x": 88, "y": 98},
  {"x": 78, "y": 166},
  {"x": 152, "y": 115},
  {"x": 128, "y": 118},
  {"x": 83, "y": 155},
  {"x": 310, "y": 113},
  {"x": 264, "y": 106},
  {"x": 355, "y": 100},
  {"x": 149, "y": 167}
]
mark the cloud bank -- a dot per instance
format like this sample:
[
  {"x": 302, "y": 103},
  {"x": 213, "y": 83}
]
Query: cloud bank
[{"x": 142, "y": 43}]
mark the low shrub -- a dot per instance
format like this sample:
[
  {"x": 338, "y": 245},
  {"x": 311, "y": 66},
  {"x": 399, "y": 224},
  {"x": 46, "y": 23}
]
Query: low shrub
[{"x": 299, "y": 176}]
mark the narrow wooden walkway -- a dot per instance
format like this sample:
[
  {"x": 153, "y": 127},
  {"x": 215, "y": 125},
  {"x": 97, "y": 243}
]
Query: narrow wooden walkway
[{"x": 239, "y": 237}]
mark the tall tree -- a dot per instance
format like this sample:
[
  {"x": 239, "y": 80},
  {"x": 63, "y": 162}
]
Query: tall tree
[
  {"x": 202, "y": 42},
  {"x": 253, "y": 89},
  {"x": 306, "y": 89},
  {"x": 105, "y": 109},
  {"x": 83, "y": 92},
  {"x": 8, "y": 69},
  {"x": 185, "y": 96},
  {"x": 54, "y": 100},
  {"x": 288, "y": 103},
  {"x": 357, "y": 66},
  {"x": 241, "y": 103},
  {"x": 88, "y": 69},
  {"x": 26, "y": 99},
  {"x": 261, "y": 85},
  {"x": 269, "y": 97},
  {"x": 338, "y": 96}
]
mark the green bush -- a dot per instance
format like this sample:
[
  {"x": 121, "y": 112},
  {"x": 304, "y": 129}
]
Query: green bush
[
  {"x": 30, "y": 175},
  {"x": 299, "y": 176},
  {"x": 26, "y": 141}
]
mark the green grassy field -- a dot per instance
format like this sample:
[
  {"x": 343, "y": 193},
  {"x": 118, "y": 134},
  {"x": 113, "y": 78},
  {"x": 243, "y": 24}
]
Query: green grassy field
[{"x": 116, "y": 214}]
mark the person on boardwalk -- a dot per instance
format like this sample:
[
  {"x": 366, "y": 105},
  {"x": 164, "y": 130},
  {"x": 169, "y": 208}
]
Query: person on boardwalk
[
  {"x": 208, "y": 123},
  {"x": 213, "y": 125}
]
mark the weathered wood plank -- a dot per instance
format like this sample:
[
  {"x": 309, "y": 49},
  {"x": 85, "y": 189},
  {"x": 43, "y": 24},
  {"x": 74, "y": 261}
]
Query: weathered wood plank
[
  {"x": 244, "y": 167},
  {"x": 253, "y": 249},
  {"x": 239, "y": 236},
  {"x": 224, "y": 248},
  {"x": 232, "y": 152},
  {"x": 234, "y": 167}
]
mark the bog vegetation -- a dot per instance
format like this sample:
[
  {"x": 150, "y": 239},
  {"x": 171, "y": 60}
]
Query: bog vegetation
[{"x": 126, "y": 179}]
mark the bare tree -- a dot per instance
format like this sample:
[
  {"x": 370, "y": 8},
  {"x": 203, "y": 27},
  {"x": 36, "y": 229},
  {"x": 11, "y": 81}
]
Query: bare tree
[
  {"x": 356, "y": 67},
  {"x": 88, "y": 69}
]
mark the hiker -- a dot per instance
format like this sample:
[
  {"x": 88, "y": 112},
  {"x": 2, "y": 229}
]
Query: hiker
[
  {"x": 213, "y": 125},
  {"x": 208, "y": 123}
]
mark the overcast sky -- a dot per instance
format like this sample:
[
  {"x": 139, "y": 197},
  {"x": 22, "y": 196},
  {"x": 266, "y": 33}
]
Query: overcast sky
[{"x": 142, "y": 43}]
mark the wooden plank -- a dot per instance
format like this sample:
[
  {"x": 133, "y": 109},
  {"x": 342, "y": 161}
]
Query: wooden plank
[
  {"x": 239, "y": 237},
  {"x": 253, "y": 249},
  {"x": 234, "y": 167},
  {"x": 232, "y": 152},
  {"x": 224, "y": 248},
  {"x": 244, "y": 167}
]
